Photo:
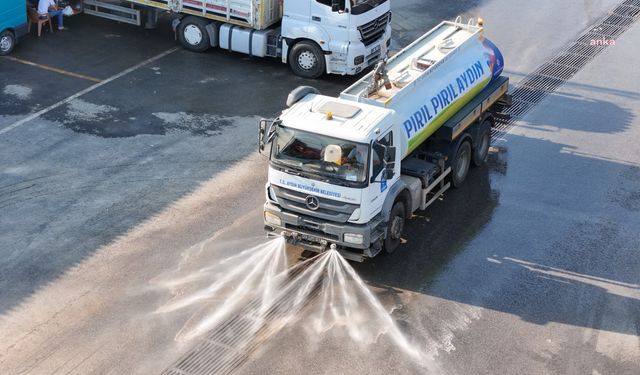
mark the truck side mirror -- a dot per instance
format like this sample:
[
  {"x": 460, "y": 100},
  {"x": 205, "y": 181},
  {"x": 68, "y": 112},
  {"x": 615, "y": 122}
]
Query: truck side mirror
[
  {"x": 390, "y": 154},
  {"x": 389, "y": 162},
  {"x": 266, "y": 133},
  {"x": 388, "y": 172},
  {"x": 262, "y": 128},
  {"x": 337, "y": 5}
]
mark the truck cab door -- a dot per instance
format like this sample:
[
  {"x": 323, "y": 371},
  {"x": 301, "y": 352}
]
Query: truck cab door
[
  {"x": 333, "y": 24},
  {"x": 378, "y": 182}
]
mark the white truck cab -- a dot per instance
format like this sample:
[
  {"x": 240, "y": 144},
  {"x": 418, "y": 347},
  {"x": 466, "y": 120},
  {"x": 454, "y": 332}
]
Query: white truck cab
[
  {"x": 335, "y": 140},
  {"x": 352, "y": 34},
  {"x": 341, "y": 188}
]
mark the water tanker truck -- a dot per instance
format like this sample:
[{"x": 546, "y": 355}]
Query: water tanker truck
[
  {"x": 347, "y": 172},
  {"x": 313, "y": 36}
]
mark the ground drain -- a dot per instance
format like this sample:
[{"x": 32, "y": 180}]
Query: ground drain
[
  {"x": 550, "y": 76},
  {"x": 228, "y": 346}
]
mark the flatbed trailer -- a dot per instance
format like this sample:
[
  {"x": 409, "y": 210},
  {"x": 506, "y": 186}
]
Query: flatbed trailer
[{"x": 256, "y": 14}]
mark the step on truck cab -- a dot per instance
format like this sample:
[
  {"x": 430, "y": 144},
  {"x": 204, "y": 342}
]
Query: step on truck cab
[
  {"x": 13, "y": 24},
  {"x": 313, "y": 36},
  {"x": 349, "y": 171}
]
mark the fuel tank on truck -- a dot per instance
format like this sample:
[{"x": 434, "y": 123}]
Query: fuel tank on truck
[{"x": 427, "y": 82}]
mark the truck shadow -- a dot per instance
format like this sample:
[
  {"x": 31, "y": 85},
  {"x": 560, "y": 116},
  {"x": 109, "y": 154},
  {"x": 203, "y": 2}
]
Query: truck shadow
[
  {"x": 532, "y": 243},
  {"x": 617, "y": 120}
]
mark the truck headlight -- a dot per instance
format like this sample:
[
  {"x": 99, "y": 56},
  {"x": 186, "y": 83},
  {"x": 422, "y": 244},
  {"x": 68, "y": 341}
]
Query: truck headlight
[
  {"x": 272, "y": 219},
  {"x": 356, "y": 239},
  {"x": 358, "y": 60}
]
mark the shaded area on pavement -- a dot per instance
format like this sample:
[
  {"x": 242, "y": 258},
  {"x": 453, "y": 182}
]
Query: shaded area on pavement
[
  {"x": 564, "y": 277},
  {"x": 95, "y": 46}
]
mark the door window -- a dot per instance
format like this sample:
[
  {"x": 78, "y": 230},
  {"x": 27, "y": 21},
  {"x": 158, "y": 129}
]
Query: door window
[{"x": 378, "y": 153}]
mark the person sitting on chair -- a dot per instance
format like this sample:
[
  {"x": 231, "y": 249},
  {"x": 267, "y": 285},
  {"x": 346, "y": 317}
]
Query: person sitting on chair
[{"x": 50, "y": 7}]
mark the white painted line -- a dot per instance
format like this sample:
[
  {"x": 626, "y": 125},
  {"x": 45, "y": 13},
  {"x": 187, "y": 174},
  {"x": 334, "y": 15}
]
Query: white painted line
[
  {"x": 51, "y": 68},
  {"x": 88, "y": 89}
]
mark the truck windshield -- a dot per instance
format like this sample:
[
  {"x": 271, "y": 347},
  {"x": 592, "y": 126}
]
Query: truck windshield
[
  {"x": 363, "y": 6},
  {"x": 332, "y": 158}
]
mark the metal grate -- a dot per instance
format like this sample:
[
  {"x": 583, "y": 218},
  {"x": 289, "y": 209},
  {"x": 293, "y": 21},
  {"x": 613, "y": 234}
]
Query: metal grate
[
  {"x": 572, "y": 60},
  {"x": 557, "y": 72},
  {"x": 609, "y": 30},
  {"x": 541, "y": 82},
  {"x": 548, "y": 77},
  {"x": 619, "y": 21},
  {"x": 228, "y": 346},
  {"x": 627, "y": 10},
  {"x": 585, "y": 50}
]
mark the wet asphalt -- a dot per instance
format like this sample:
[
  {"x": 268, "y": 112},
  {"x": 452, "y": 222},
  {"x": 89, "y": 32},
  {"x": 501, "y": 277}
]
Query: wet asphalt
[{"x": 531, "y": 267}]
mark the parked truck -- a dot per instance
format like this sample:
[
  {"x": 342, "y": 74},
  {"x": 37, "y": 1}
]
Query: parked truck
[
  {"x": 347, "y": 172},
  {"x": 13, "y": 24},
  {"x": 313, "y": 36}
]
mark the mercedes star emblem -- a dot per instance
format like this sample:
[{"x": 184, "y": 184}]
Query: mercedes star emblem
[{"x": 312, "y": 202}]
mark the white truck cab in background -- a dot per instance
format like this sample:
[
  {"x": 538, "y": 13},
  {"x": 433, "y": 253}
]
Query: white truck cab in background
[
  {"x": 352, "y": 35},
  {"x": 313, "y": 36}
]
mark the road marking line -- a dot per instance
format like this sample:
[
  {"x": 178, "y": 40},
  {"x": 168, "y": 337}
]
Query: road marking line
[
  {"x": 52, "y": 69},
  {"x": 88, "y": 89}
]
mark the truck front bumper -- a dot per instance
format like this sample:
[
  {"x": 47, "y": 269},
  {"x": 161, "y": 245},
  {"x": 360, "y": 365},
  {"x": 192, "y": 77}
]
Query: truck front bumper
[{"x": 317, "y": 235}]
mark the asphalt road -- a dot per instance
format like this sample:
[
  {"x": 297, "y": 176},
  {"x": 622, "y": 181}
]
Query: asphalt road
[{"x": 532, "y": 267}]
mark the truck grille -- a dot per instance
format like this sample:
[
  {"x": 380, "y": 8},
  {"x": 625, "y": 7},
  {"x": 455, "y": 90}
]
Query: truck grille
[
  {"x": 372, "y": 31},
  {"x": 328, "y": 209}
]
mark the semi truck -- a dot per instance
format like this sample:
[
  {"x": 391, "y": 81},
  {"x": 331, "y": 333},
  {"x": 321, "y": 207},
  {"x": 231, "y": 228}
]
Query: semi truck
[
  {"x": 313, "y": 36},
  {"x": 347, "y": 172},
  {"x": 13, "y": 24}
]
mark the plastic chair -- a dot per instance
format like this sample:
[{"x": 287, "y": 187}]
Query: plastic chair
[{"x": 34, "y": 18}]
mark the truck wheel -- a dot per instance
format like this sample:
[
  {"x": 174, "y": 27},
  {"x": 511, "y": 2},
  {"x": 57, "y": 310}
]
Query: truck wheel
[
  {"x": 192, "y": 34},
  {"x": 461, "y": 162},
  {"x": 395, "y": 227},
  {"x": 484, "y": 141},
  {"x": 7, "y": 42},
  {"x": 307, "y": 60}
]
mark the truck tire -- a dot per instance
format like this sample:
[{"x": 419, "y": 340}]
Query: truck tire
[
  {"x": 7, "y": 42},
  {"x": 192, "y": 34},
  {"x": 461, "y": 163},
  {"x": 395, "y": 227},
  {"x": 481, "y": 150},
  {"x": 307, "y": 60}
]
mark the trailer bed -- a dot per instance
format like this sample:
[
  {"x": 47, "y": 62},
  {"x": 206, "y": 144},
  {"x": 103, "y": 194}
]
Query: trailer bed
[{"x": 256, "y": 14}]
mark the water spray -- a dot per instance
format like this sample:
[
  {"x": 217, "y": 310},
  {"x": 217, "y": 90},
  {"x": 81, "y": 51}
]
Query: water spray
[{"x": 249, "y": 297}]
